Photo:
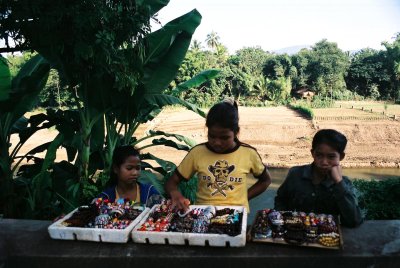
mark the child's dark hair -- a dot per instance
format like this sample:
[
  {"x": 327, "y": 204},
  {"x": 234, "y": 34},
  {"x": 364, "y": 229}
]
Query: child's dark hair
[
  {"x": 224, "y": 114},
  {"x": 331, "y": 137},
  {"x": 120, "y": 154}
]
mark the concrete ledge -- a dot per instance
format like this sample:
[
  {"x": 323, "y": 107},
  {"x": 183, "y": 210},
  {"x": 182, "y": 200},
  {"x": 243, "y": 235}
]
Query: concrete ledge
[{"x": 26, "y": 243}]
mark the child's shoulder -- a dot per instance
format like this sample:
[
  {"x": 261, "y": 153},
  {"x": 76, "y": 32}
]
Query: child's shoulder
[
  {"x": 108, "y": 193},
  {"x": 247, "y": 146},
  {"x": 147, "y": 190},
  {"x": 302, "y": 167},
  {"x": 200, "y": 146},
  {"x": 300, "y": 171}
]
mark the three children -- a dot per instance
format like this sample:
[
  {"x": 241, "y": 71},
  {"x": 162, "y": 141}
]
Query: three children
[{"x": 223, "y": 165}]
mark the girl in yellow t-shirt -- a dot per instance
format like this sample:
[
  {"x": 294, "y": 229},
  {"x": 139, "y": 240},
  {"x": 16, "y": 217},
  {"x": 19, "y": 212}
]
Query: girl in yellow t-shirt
[{"x": 223, "y": 164}]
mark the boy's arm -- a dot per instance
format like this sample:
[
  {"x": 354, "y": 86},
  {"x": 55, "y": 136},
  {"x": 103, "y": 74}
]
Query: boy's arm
[
  {"x": 347, "y": 202},
  {"x": 264, "y": 180}
]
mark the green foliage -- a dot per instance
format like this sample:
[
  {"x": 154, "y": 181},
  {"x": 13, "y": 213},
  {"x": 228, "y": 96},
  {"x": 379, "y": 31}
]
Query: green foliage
[
  {"x": 300, "y": 62},
  {"x": 379, "y": 199},
  {"x": 303, "y": 109},
  {"x": 369, "y": 73},
  {"x": 321, "y": 102},
  {"x": 189, "y": 189},
  {"x": 55, "y": 93},
  {"x": 102, "y": 65},
  {"x": 253, "y": 102},
  {"x": 252, "y": 59},
  {"x": 327, "y": 67},
  {"x": 277, "y": 66},
  {"x": 17, "y": 98},
  {"x": 213, "y": 40},
  {"x": 5, "y": 78},
  {"x": 278, "y": 90},
  {"x": 17, "y": 61},
  {"x": 393, "y": 63}
]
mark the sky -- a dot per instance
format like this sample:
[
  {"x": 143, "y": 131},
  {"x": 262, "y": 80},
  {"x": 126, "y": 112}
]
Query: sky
[{"x": 277, "y": 24}]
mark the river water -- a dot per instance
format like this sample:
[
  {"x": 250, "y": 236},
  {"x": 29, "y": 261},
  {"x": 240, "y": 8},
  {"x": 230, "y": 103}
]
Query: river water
[{"x": 266, "y": 199}]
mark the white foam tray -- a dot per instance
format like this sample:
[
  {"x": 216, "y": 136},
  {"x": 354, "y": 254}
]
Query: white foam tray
[
  {"x": 192, "y": 239},
  {"x": 59, "y": 231}
]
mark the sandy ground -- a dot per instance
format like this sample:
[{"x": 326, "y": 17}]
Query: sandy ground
[{"x": 281, "y": 136}]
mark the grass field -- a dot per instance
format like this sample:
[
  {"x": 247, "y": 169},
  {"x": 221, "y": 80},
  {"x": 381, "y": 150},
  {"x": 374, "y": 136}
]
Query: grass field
[
  {"x": 377, "y": 107},
  {"x": 358, "y": 110}
]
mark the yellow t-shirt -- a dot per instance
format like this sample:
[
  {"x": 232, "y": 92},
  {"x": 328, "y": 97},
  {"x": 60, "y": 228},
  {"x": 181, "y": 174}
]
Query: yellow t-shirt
[{"x": 222, "y": 178}]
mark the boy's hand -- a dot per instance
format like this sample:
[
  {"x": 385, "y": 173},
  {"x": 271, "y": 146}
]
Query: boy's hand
[{"x": 336, "y": 173}]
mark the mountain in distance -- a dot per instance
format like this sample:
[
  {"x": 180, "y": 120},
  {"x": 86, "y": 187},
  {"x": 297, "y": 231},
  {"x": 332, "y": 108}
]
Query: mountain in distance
[{"x": 291, "y": 50}]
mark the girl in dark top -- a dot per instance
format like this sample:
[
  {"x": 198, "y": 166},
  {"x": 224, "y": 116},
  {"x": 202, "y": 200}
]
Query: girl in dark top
[
  {"x": 320, "y": 186},
  {"x": 124, "y": 175}
]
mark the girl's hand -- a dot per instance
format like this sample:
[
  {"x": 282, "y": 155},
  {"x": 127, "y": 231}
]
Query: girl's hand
[
  {"x": 179, "y": 202},
  {"x": 336, "y": 173}
]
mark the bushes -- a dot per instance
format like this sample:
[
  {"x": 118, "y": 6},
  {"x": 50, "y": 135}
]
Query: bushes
[
  {"x": 320, "y": 102},
  {"x": 303, "y": 109},
  {"x": 379, "y": 200}
]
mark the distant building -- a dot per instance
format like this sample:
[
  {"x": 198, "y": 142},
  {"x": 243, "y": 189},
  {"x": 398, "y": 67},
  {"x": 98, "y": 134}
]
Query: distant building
[{"x": 303, "y": 93}]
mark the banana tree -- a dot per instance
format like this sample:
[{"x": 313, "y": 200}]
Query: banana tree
[
  {"x": 16, "y": 98},
  {"x": 96, "y": 54},
  {"x": 117, "y": 83},
  {"x": 149, "y": 108}
]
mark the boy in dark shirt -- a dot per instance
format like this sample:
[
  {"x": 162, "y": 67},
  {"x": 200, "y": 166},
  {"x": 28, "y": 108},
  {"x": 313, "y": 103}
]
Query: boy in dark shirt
[{"x": 320, "y": 187}]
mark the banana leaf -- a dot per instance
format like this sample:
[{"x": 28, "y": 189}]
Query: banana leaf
[
  {"x": 49, "y": 160},
  {"x": 25, "y": 88},
  {"x": 5, "y": 79},
  {"x": 196, "y": 81},
  {"x": 149, "y": 177},
  {"x": 38, "y": 149},
  {"x": 41, "y": 183},
  {"x": 36, "y": 123},
  {"x": 169, "y": 143},
  {"x": 167, "y": 49},
  {"x": 167, "y": 166},
  {"x": 153, "y": 5},
  {"x": 161, "y": 100},
  {"x": 182, "y": 138}
]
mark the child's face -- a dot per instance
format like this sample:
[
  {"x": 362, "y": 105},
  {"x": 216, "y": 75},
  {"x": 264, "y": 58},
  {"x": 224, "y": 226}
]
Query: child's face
[
  {"x": 129, "y": 171},
  {"x": 325, "y": 157},
  {"x": 221, "y": 139}
]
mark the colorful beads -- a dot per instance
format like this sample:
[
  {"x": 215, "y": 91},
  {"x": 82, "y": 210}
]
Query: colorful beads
[
  {"x": 197, "y": 220},
  {"x": 296, "y": 228},
  {"x": 104, "y": 214}
]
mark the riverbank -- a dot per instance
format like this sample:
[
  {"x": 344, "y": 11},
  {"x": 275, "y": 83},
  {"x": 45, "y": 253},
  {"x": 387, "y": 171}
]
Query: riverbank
[{"x": 281, "y": 136}]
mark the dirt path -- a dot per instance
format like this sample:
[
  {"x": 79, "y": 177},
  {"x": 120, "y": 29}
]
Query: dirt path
[{"x": 281, "y": 136}]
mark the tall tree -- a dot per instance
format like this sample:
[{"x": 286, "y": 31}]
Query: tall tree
[
  {"x": 300, "y": 61},
  {"x": 196, "y": 45},
  {"x": 252, "y": 59},
  {"x": 212, "y": 40},
  {"x": 393, "y": 56},
  {"x": 368, "y": 71},
  {"x": 327, "y": 68},
  {"x": 277, "y": 66}
]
